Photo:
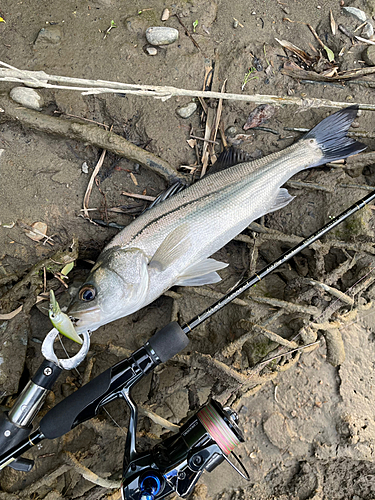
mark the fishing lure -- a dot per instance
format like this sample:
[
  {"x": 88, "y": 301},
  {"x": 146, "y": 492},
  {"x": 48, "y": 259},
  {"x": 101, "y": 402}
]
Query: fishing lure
[{"x": 61, "y": 321}]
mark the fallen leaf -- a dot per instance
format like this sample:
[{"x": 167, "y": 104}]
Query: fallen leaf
[
  {"x": 66, "y": 269},
  {"x": 330, "y": 54},
  {"x": 192, "y": 143},
  {"x": 133, "y": 178},
  {"x": 39, "y": 231}
]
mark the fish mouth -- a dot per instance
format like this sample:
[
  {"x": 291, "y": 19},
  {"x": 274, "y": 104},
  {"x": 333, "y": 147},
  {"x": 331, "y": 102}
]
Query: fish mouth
[{"x": 90, "y": 319}]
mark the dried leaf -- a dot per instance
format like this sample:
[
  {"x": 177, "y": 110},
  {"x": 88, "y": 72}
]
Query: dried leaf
[
  {"x": 259, "y": 115},
  {"x": 133, "y": 178},
  {"x": 306, "y": 58},
  {"x": 333, "y": 23},
  {"x": 39, "y": 231},
  {"x": 192, "y": 143}
]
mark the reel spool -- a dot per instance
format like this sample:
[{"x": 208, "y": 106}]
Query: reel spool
[{"x": 221, "y": 424}]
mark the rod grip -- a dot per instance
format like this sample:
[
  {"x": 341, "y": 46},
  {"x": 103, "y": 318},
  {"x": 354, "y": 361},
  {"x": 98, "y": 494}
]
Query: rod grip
[
  {"x": 169, "y": 341},
  {"x": 60, "y": 419}
]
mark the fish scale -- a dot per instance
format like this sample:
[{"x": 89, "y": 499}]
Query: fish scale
[{"x": 171, "y": 243}]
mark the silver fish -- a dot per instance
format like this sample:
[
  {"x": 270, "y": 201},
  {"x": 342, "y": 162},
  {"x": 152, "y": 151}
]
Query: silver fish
[{"x": 171, "y": 243}]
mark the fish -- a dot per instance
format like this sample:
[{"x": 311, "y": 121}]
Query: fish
[
  {"x": 172, "y": 243},
  {"x": 61, "y": 321}
]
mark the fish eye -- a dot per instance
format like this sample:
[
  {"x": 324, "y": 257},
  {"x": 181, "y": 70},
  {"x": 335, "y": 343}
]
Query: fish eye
[{"x": 87, "y": 293}]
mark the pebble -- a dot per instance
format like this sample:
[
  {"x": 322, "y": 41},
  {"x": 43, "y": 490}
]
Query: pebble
[
  {"x": 368, "y": 30},
  {"x": 161, "y": 35},
  {"x": 187, "y": 111},
  {"x": 235, "y": 24},
  {"x": 369, "y": 55},
  {"x": 231, "y": 131},
  {"x": 50, "y": 35},
  {"x": 151, "y": 51},
  {"x": 27, "y": 97},
  {"x": 85, "y": 168},
  {"x": 165, "y": 15}
]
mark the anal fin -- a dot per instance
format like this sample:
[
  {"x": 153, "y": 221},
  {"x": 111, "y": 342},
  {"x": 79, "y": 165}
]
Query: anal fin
[{"x": 282, "y": 199}]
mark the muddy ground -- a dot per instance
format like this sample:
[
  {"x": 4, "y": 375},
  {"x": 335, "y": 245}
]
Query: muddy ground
[{"x": 309, "y": 425}]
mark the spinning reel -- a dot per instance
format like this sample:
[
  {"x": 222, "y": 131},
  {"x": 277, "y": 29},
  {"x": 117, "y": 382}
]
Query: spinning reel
[{"x": 176, "y": 464}]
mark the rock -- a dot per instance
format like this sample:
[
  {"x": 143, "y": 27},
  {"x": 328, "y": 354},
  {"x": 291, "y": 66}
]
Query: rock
[
  {"x": 277, "y": 431},
  {"x": 13, "y": 345},
  {"x": 368, "y": 30},
  {"x": 27, "y": 97},
  {"x": 151, "y": 51},
  {"x": 50, "y": 35},
  {"x": 231, "y": 131},
  {"x": 165, "y": 15},
  {"x": 369, "y": 55},
  {"x": 85, "y": 168},
  {"x": 161, "y": 35},
  {"x": 187, "y": 111}
]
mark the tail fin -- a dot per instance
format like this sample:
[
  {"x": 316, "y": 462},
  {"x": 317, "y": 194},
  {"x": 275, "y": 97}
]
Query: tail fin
[{"x": 331, "y": 136}]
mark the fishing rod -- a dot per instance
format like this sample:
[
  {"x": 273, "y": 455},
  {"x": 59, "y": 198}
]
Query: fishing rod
[
  {"x": 204, "y": 442},
  {"x": 285, "y": 257}
]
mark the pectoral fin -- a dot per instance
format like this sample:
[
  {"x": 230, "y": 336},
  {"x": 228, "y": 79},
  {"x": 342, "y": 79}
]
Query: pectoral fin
[
  {"x": 175, "y": 245},
  {"x": 201, "y": 273}
]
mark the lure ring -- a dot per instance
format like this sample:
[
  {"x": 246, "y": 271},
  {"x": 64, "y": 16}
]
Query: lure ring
[{"x": 69, "y": 363}]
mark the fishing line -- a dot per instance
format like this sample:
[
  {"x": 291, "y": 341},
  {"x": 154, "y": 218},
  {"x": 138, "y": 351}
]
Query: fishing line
[
  {"x": 114, "y": 421},
  {"x": 67, "y": 355}
]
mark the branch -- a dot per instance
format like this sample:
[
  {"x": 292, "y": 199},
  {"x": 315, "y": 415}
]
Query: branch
[{"x": 89, "y": 87}]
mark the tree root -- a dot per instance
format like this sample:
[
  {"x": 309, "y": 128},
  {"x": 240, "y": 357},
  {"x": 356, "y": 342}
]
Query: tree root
[{"x": 89, "y": 134}]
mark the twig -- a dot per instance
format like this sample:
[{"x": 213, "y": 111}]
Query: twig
[
  {"x": 188, "y": 33},
  {"x": 203, "y": 139},
  {"x": 54, "y": 263},
  {"x": 309, "y": 185},
  {"x": 70, "y": 459},
  {"x": 91, "y": 183},
  {"x": 159, "y": 92},
  {"x": 288, "y": 306},
  {"x": 301, "y": 74},
  {"x": 143, "y": 410},
  {"x": 300, "y": 348},
  {"x": 333, "y": 291},
  {"x": 6, "y": 317},
  {"x": 139, "y": 196},
  {"x": 275, "y": 338}
]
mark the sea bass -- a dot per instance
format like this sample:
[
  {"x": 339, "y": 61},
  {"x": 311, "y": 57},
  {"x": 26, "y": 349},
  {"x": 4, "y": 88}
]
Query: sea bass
[{"x": 171, "y": 244}]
